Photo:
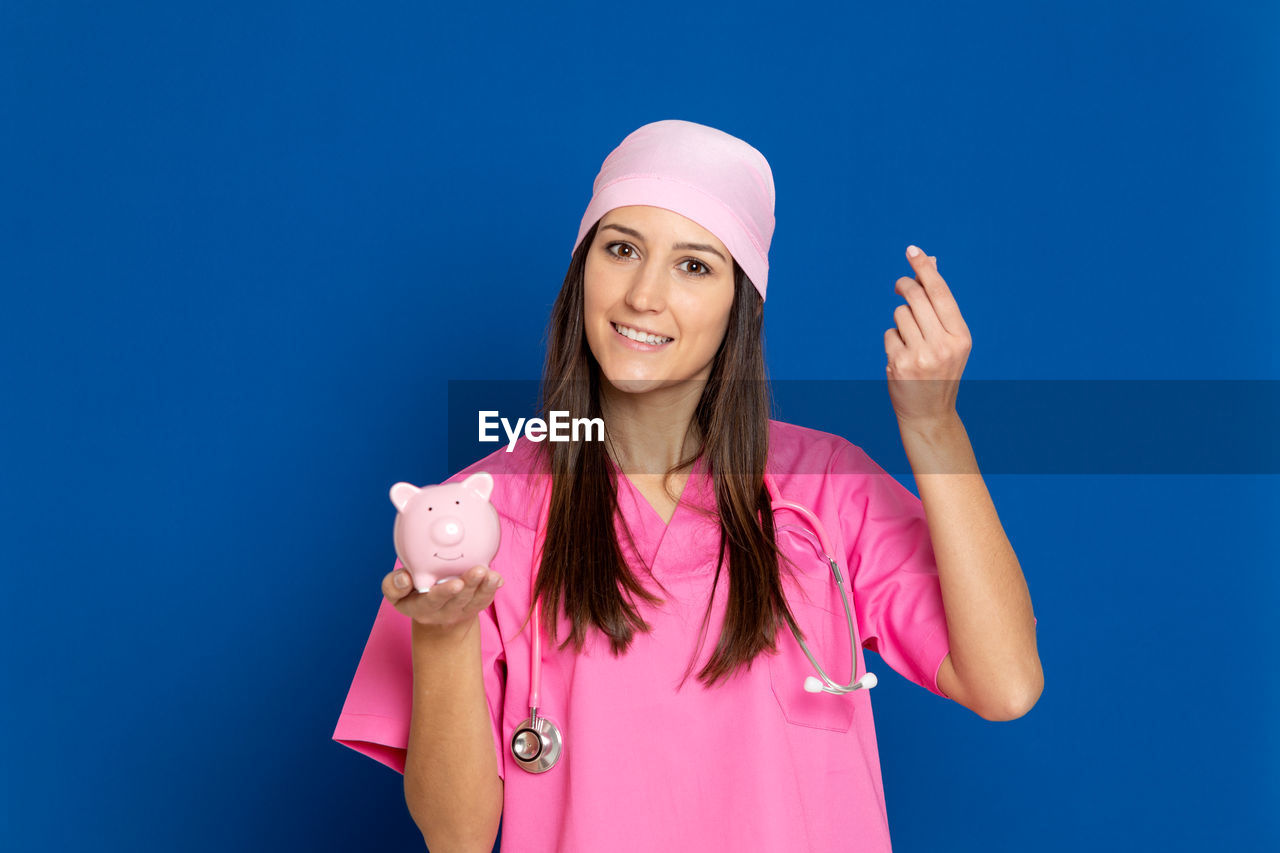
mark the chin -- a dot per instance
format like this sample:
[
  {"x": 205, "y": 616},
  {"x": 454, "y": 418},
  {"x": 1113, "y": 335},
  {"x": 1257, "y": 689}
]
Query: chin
[{"x": 633, "y": 385}]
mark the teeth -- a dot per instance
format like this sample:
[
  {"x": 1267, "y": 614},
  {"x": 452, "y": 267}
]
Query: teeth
[{"x": 640, "y": 336}]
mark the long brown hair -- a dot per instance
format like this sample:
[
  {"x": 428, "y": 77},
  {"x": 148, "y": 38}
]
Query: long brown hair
[{"x": 582, "y": 563}]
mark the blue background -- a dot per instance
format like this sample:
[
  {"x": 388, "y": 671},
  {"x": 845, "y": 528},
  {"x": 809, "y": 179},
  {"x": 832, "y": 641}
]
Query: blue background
[{"x": 244, "y": 247}]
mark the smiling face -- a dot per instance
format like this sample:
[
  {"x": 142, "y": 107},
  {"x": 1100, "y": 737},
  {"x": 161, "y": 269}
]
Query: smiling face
[{"x": 657, "y": 292}]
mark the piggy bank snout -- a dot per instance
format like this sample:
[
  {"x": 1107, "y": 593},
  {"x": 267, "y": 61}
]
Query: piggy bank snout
[{"x": 447, "y": 530}]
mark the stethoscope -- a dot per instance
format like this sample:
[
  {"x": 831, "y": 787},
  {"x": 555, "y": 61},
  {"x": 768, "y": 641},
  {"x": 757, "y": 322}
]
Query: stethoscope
[{"x": 537, "y": 743}]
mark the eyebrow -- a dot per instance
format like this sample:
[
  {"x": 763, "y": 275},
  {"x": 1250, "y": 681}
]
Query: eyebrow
[{"x": 697, "y": 247}]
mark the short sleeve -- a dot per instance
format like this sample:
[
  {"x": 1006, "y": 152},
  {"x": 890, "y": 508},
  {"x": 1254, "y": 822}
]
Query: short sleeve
[
  {"x": 375, "y": 717},
  {"x": 897, "y": 595}
]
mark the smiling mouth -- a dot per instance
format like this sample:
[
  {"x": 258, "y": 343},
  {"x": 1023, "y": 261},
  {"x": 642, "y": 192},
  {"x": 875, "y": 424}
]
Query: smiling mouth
[
  {"x": 440, "y": 556},
  {"x": 640, "y": 337}
]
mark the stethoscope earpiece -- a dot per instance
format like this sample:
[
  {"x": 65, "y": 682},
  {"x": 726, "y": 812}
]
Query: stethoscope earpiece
[{"x": 813, "y": 684}]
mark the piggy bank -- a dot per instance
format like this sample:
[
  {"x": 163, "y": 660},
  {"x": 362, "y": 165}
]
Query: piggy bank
[{"x": 441, "y": 531}]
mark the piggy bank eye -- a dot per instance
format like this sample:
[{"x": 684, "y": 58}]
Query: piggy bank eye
[{"x": 458, "y": 502}]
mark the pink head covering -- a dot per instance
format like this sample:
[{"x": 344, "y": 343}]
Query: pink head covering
[{"x": 704, "y": 174}]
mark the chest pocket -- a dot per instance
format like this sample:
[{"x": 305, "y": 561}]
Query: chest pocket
[{"x": 820, "y": 615}]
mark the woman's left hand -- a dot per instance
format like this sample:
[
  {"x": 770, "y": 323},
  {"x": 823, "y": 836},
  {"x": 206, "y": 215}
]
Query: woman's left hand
[{"x": 931, "y": 342}]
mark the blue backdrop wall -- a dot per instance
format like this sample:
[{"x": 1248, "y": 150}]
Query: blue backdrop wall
[{"x": 246, "y": 246}]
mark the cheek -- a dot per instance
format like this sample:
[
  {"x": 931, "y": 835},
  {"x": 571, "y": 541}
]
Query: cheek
[
  {"x": 590, "y": 296},
  {"x": 595, "y": 288},
  {"x": 712, "y": 332}
]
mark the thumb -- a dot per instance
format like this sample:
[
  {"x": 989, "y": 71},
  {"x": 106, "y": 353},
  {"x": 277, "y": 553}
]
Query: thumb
[{"x": 918, "y": 259}]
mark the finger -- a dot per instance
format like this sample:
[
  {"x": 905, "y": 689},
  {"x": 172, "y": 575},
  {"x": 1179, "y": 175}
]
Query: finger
[
  {"x": 471, "y": 580},
  {"x": 940, "y": 296},
  {"x": 939, "y": 293},
  {"x": 893, "y": 345},
  {"x": 426, "y": 606},
  {"x": 907, "y": 326},
  {"x": 921, "y": 308},
  {"x": 396, "y": 585},
  {"x": 486, "y": 591}
]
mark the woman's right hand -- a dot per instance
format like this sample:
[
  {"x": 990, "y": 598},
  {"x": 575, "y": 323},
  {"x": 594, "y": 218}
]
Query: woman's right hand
[{"x": 454, "y": 602}]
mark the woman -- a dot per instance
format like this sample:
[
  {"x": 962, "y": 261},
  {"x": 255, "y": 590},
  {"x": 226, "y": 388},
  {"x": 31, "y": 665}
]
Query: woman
[{"x": 640, "y": 547}]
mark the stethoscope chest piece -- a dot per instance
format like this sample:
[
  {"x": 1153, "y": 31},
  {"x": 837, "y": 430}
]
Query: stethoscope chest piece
[{"x": 536, "y": 744}]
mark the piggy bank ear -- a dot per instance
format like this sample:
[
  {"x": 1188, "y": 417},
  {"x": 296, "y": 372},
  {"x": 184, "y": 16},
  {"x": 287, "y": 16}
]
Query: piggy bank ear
[
  {"x": 401, "y": 492},
  {"x": 481, "y": 483}
]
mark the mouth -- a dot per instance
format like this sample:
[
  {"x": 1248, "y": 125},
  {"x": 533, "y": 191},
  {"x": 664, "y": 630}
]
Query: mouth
[
  {"x": 446, "y": 557},
  {"x": 642, "y": 339}
]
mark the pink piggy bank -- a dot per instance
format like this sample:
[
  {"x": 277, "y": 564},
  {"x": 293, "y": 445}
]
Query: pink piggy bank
[{"x": 441, "y": 531}]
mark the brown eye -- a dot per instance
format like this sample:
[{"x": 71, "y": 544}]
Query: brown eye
[{"x": 705, "y": 269}]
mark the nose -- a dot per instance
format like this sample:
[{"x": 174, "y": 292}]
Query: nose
[
  {"x": 648, "y": 291},
  {"x": 447, "y": 531}
]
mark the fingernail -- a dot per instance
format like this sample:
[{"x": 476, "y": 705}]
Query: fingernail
[
  {"x": 401, "y": 580},
  {"x": 912, "y": 251}
]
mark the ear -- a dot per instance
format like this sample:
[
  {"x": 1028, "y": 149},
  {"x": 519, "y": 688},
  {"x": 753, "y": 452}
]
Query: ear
[
  {"x": 481, "y": 483},
  {"x": 401, "y": 493}
]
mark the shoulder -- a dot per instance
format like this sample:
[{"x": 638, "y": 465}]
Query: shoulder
[
  {"x": 822, "y": 468},
  {"x": 795, "y": 449},
  {"x": 520, "y": 482}
]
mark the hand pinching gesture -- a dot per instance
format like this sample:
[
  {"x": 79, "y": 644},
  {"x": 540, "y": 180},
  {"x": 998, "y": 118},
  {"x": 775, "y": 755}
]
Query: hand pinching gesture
[{"x": 931, "y": 343}]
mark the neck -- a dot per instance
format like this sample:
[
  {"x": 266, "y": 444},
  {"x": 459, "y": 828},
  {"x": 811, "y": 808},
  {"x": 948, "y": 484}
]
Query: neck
[{"x": 650, "y": 432}]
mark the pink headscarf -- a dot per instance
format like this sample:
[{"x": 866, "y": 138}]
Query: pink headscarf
[{"x": 704, "y": 174}]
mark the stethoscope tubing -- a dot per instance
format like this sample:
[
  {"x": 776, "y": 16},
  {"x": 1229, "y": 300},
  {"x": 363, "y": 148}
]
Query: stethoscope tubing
[
  {"x": 545, "y": 733},
  {"x": 827, "y": 684}
]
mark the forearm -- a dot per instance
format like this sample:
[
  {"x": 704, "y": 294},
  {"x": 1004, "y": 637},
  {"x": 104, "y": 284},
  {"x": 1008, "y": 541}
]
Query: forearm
[
  {"x": 988, "y": 606},
  {"x": 451, "y": 783}
]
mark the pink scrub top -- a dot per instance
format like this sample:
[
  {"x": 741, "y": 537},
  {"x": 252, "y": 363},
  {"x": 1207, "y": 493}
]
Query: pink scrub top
[{"x": 755, "y": 763}]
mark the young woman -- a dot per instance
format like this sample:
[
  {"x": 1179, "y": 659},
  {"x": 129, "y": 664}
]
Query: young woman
[{"x": 696, "y": 518}]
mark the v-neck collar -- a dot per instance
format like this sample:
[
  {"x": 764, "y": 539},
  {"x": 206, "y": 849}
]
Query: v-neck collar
[
  {"x": 695, "y": 475},
  {"x": 653, "y": 537}
]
